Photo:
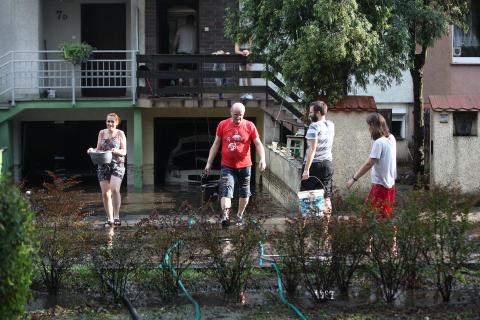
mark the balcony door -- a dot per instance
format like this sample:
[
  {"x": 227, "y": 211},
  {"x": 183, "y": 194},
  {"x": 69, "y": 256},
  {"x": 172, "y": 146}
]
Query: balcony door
[{"x": 104, "y": 27}]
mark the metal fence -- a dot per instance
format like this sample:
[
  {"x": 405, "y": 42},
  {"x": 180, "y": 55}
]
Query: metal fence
[{"x": 46, "y": 74}]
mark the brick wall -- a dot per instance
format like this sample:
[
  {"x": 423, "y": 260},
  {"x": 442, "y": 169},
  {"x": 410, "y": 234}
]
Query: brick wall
[
  {"x": 151, "y": 26},
  {"x": 211, "y": 14}
]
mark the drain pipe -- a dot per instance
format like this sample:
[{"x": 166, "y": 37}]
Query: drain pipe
[
  {"x": 167, "y": 263},
  {"x": 279, "y": 276},
  {"x": 131, "y": 309}
]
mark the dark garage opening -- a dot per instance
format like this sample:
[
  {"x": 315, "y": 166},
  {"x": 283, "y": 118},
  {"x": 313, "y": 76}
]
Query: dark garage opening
[
  {"x": 60, "y": 147},
  {"x": 182, "y": 146}
]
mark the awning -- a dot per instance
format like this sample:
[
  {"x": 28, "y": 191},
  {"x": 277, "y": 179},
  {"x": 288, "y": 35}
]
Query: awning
[
  {"x": 454, "y": 103},
  {"x": 353, "y": 103}
]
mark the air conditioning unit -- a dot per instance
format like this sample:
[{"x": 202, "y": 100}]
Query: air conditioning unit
[{"x": 457, "y": 51}]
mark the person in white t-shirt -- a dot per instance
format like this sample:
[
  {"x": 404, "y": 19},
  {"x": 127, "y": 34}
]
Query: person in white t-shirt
[
  {"x": 383, "y": 162},
  {"x": 185, "y": 42}
]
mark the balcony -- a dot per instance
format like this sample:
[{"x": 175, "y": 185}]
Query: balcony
[{"x": 45, "y": 75}]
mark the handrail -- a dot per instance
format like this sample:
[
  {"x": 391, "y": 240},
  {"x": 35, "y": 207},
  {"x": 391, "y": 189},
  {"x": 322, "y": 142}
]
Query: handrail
[
  {"x": 289, "y": 106},
  {"x": 5, "y": 54}
]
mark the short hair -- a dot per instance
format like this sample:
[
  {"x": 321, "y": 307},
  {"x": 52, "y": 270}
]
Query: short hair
[
  {"x": 117, "y": 118},
  {"x": 319, "y": 106},
  {"x": 379, "y": 126}
]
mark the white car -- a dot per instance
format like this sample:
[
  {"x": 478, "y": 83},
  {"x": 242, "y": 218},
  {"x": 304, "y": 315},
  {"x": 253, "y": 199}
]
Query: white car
[{"x": 188, "y": 159}]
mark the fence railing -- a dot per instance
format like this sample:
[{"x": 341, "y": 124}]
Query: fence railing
[
  {"x": 45, "y": 74},
  {"x": 196, "y": 75}
]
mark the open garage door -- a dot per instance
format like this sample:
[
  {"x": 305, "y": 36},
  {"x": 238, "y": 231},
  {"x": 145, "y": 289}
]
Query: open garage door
[
  {"x": 181, "y": 149},
  {"x": 60, "y": 147}
]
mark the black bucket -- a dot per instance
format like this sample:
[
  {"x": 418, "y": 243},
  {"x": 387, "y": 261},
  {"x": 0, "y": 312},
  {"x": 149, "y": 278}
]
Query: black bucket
[{"x": 210, "y": 190}]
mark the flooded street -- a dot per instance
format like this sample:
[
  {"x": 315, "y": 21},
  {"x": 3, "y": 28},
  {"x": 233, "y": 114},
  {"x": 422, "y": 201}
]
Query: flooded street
[{"x": 166, "y": 200}]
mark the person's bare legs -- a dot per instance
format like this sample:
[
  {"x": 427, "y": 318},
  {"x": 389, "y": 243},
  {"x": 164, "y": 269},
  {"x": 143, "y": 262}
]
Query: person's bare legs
[
  {"x": 107, "y": 199},
  {"x": 115, "y": 183},
  {"x": 226, "y": 204},
  {"x": 242, "y": 204}
]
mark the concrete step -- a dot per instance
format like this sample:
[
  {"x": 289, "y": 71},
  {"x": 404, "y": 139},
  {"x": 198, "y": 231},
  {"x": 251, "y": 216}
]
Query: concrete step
[{"x": 5, "y": 106}]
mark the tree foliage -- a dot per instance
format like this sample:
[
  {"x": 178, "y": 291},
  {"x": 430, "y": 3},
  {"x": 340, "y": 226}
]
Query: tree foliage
[
  {"x": 324, "y": 46},
  {"x": 426, "y": 21},
  {"x": 329, "y": 47},
  {"x": 16, "y": 229}
]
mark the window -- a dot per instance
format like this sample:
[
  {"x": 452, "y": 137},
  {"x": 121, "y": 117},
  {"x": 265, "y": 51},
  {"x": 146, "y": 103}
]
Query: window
[
  {"x": 466, "y": 45},
  {"x": 398, "y": 127},
  {"x": 465, "y": 123}
]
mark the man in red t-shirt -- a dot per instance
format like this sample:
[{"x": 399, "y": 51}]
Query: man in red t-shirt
[{"x": 235, "y": 135}]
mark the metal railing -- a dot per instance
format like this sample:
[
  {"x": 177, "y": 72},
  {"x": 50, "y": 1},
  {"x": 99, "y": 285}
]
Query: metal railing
[
  {"x": 197, "y": 74},
  {"x": 45, "y": 74}
]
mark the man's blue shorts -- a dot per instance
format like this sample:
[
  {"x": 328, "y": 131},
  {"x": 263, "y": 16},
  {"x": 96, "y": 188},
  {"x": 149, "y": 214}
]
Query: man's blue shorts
[{"x": 227, "y": 181}]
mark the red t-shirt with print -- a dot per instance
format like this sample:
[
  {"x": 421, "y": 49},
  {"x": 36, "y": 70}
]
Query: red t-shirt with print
[{"x": 236, "y": 140}]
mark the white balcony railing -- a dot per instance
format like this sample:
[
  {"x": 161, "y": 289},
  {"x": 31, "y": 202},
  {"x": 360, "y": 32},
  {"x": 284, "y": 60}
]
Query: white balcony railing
[{"x": 45, "y": 74}]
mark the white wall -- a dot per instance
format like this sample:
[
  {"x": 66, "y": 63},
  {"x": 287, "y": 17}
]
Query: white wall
[
  {"x": 19, "y": 25},
  {"x": 454, "y": 159},
  {"x": 62, "y": 21},
  {"x": 397, "y": 93}
]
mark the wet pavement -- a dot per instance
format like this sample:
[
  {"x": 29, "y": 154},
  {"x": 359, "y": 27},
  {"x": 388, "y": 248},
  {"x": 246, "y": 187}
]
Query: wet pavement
[{"x": 168, "y": 199}]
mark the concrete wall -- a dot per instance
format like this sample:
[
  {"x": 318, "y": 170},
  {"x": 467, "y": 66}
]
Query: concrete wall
[
  {"x": 282, "y": 178},
  {"x": 19, "y": 25},
  {"x": 351, "y": 149},
  {"x": 442, "y": 77},
  {"x": 68, "y": 26},
  {"x": 454, "y": 159}
]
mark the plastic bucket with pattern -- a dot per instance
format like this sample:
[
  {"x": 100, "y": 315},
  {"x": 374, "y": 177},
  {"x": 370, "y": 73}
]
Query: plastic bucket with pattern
[{"x": 101, "y": 157}]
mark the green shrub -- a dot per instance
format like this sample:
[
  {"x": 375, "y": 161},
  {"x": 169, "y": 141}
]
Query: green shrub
[
  {"x": 449, "y": 247},
  {"x": 76, "y": 52},
  {"x": 228, "y": 254},
  {"x": 289, "y": 245},
  {"x": 61, "y": 233},
  {"x": 16, "y": 231}
]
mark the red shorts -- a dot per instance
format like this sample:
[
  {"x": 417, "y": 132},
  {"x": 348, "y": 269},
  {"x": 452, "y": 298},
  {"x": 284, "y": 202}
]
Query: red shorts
[{"x": 381, "y": 200}]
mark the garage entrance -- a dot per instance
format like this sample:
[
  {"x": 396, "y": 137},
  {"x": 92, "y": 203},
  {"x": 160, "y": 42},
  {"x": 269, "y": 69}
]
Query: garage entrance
[
  {"x": 60, "y": 147},
  {"x": 181, "y": 149}
]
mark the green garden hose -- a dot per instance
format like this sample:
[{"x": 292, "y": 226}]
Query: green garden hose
[{"x": 167, "y": 263}]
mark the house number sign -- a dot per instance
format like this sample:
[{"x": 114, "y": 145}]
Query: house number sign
[{"x": 61, "y": 15}]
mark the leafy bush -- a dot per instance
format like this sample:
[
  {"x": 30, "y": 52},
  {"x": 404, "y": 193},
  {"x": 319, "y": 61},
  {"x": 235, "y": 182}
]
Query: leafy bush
[
  {"x": 16, "y": 250},
  {"x": 59, "y": 210},
  {"x": 317, "y": 264},
  {"x": 159, "y": 232},
  {"x": 76, "y": 52},
  {"x": 349, "y": 239},
  {"x": 117, "y": 257},
  {"x": 229, "y": 254},
  {"x": 448, "y": 245},
  {"x": 289, "y": 245}
]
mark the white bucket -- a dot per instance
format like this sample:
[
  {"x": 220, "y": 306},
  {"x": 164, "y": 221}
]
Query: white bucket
[{"x": 311, "y": 202}]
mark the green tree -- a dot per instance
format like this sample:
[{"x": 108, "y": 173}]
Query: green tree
[
  {"x": 16, "y": 229},
  {"x": 426, "y": 22},
  {"x": 323, "y": 46},
  {"x": 331, "y": 46}
]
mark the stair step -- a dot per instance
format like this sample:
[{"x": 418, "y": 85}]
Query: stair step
[{"x": 4, "y": 106}]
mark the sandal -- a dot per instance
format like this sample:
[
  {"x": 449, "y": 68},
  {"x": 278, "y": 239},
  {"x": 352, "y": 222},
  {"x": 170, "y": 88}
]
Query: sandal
[
  {"x": 108, "y": 224},
  {"x": 117, "y": 222}
]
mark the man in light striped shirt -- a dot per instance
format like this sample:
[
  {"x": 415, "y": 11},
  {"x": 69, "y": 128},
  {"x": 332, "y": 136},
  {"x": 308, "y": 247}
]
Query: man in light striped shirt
[{"x": 318, "y": 168}]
